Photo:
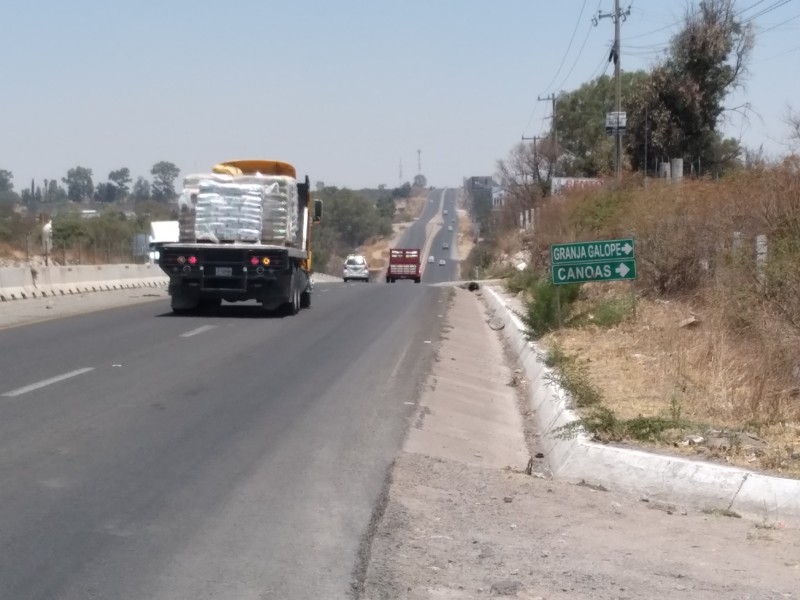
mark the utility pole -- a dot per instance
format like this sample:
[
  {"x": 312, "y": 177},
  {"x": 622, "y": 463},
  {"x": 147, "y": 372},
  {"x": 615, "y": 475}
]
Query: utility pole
[
  {"x": 617, "y": 16},
  {"x": 553, "y": 132},
  {"x": 419, "y": 161}
]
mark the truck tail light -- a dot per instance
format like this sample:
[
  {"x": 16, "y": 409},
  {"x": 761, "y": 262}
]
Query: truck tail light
[
  {"x": 192, "y": 260},
  {"x": 254, "y": 260}
]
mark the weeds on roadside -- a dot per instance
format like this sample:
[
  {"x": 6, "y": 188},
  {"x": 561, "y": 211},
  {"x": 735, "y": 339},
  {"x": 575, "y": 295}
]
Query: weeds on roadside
[
  {"x": 542, "y": 311},
  {"x": 600, "y": 420},
  {"x": 609, "y": 312},
  {"x": 572, "y": 377}
]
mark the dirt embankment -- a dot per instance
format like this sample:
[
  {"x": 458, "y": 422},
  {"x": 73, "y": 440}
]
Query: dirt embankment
[{"x": 705, "y": 361}]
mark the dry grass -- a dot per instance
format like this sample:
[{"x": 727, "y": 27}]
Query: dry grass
[
  {"x": 737, "y": 369},
  {"x": 411, "y": 208},
  {"x": 651, "y": 367},
  {"x": 377, "y": 249},
  {"x": 465, "y": 240}
]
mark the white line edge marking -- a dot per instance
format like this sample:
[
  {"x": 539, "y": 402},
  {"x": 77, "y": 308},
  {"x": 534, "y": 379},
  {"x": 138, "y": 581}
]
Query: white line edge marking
[
  {"x": 197, "y": 331},
  {"x": 46, "y": 382}
]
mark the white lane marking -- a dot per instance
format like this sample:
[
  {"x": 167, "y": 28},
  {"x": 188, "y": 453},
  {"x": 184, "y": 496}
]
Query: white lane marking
[
  {"x": 197, "y": 331},
  {"x": 46, "y": 382}
]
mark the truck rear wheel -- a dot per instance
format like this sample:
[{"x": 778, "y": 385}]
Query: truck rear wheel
[
  {"x": 293, "y": 306},
  {"x": 305, "y": 299},
  {"x": 182, "y": 305}
]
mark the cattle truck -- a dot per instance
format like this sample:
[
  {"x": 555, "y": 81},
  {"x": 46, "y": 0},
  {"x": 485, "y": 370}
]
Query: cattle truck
[
  {"x": 404, "y": 263},
  {"x": 244, "y": 234}
]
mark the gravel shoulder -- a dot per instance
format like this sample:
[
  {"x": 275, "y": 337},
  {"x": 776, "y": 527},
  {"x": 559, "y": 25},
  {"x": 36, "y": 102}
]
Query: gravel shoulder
[{"x": 463, "y": 519}]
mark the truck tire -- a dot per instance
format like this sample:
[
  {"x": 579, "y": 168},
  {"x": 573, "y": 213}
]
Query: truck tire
[
  {"x": 416, "y": 280},
  {"x": 181, "y": 305},
  {"x": 305, "y": 299},
  {"x": 292, "y": 307}
]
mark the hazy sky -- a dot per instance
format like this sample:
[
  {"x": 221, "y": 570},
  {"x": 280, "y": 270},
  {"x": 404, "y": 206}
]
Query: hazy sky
[{"x": 344, "y": 89}]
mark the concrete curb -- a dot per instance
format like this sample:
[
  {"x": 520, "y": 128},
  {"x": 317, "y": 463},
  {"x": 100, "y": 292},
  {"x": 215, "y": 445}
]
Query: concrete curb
[
  {"x": 22, "y": 283},
  {"x": 659, "y": 477},
  {"x": 323, "y": 278}
]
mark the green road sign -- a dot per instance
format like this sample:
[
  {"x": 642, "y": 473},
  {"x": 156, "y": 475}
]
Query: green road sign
[
  {"x": 605, "y": 270},
  {"x": 585, "y": 252}
]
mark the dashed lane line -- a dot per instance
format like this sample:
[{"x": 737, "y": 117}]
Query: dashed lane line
[
  {"x": 198, "y": 331},
  {"x": 46, "y": 382}
]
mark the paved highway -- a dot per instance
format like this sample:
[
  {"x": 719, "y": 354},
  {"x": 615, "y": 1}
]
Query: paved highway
[{"x": 228, "y": 455}]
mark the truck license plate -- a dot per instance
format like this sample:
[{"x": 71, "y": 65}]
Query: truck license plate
[{"x": 224, "y": 271}]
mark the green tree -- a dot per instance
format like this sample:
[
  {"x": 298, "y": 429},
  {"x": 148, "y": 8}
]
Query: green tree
[
  {"x": 680, "y": 105},
  {"x": 141, "y": 190},
  {"x": 54, "y": 192},
  {"x": 404, "y": 191},
  {"x": 69, "y": 229},
  {"x": 106, "y": 192},
  {"x": 6, "y": 181},
  {"x": 7, "y": 193},
  {"x": 122, "y": 179},
  {"x": 585, "y": 150},
  {"x": 79, "y": 184},
  {"x": 385, "y": 207},
  {"x": 164, "y": 175}
]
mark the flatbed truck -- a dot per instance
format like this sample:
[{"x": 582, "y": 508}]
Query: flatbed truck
[{"x": 204, "y": 270}]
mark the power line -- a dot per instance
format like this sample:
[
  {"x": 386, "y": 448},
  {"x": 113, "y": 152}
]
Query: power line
[
  {"x": 641, "y": 35},
  {"x": 569, "y": 46},
  {"x": 752, "y": 6},
  {"x": 767, "y": 10},
  {"x": 763, "y": 31},
  {"x": 603, "y": 63},
  {"x": 580, "y": 52},
  {"x": 533, "y": 112}
]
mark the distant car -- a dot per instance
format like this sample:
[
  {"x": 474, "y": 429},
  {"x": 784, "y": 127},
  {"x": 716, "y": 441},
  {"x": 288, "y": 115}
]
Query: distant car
[
  {"x": 431, "y": 259},
  {"x": 445, "y": 246},
  {"x": 449, "y": 228},
  {"x": 453, "y": 221},
  {"x": 441, "y": 262},
  {"x": 444, "y": 212},
  {"x": 355, "y": 267}
]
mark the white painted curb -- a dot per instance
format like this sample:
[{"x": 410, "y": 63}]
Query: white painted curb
[{"x": 659, "y": 477}]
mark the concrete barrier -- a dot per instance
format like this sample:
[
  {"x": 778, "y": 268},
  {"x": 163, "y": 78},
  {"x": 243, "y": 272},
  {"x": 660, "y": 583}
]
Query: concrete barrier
[
  {"x": 16, "y": 283},
  {"x": 658, "y": 476},
  {"x": 19, "y": 283}
]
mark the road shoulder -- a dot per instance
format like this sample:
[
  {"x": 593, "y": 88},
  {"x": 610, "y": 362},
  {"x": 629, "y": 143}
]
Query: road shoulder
[{"x": 463, "y": 519}]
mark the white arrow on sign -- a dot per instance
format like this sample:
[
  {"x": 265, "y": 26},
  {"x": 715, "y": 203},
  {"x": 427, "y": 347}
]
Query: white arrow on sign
[
  {"x": 627, "y": 248},
  {"x": 622, "y": 270}
]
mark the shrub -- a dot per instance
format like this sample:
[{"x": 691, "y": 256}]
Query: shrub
[{"x": 542, "y": 310}]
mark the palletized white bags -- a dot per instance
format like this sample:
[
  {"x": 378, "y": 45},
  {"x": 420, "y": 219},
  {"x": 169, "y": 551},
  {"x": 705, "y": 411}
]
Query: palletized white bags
[{"x": 244, "y": 208}]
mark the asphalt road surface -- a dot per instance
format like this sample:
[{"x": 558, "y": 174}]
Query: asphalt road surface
[
  {"x": 415, "y": 237},
  {"x": 225, "y": 455}
]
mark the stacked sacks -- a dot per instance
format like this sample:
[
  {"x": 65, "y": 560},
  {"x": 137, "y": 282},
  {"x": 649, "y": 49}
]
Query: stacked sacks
[
  {"x": 228, "y": 212},
  {"x": 279, "y": 219},
  {"x": 239, "y": 208}
]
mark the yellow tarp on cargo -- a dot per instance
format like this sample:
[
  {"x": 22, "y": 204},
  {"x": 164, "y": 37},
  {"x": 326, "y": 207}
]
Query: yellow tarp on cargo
[{"x": 252, "y": 166}]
